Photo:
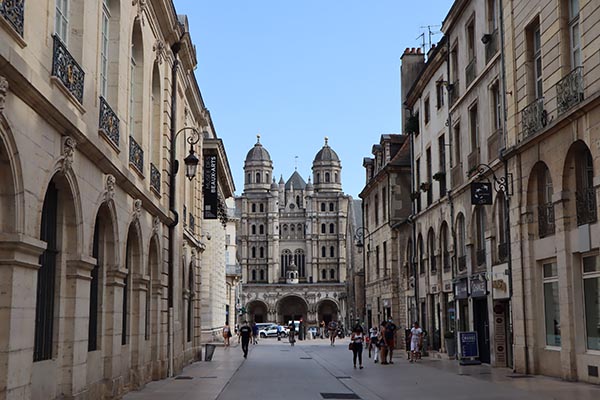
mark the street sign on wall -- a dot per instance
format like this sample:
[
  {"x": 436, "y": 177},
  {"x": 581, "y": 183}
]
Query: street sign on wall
[{"x": 481, "y": 193}]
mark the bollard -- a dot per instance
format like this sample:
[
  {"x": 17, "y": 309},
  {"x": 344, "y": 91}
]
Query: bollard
[{"x": 209, "y": 350}]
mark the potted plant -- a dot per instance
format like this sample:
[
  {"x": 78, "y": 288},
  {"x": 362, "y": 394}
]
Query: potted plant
[
  {"x": 425, "y": 186},
  {"x": 450, "y": 340},
  {"x": 438, "y": 176},
  {"x": 412, "y": 124}
]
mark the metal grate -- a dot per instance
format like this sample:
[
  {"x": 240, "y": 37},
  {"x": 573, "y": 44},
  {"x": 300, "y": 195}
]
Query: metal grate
[
  {"x": 183, "y": 377},
  {"x": 593, "y": 370},
  {"x": 340, "y": 396},
  {"x": 519, "y": 376}
]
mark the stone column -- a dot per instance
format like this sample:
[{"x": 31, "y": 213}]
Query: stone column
[
  {"x": 19, "y": 263},
  {"x": 138, "y": 320},
  {"x": 113, "y": 306}
]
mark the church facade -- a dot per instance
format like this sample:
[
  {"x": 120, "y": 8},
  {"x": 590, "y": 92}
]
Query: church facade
[{"x": 293, "y": 241}]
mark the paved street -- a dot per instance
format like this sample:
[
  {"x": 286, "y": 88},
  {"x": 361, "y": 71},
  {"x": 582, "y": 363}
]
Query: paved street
[{"x": 274, "y": 370}]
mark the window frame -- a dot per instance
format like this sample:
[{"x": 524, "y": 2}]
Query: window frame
[
  {"x": 545, "y": 281},
  {"x": 61, "y": 20},
  {"x": 584, "y": 276}
]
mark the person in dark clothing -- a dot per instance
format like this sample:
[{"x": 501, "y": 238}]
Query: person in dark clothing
[
  {"x": 245, "y": 334},
  {"x": 357, "y": 339}
]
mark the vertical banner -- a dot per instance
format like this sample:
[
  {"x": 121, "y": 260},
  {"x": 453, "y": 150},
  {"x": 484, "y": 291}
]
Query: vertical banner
[{"x": 209, "y": 189}]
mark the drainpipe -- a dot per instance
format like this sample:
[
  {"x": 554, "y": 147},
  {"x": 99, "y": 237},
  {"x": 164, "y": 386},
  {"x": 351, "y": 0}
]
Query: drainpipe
[
  {"x": 172, "y": 204},
  {"x": 413, "y": 265}
]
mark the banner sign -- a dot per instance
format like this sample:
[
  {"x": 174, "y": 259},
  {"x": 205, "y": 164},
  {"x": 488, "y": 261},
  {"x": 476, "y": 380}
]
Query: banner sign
[
  {"x": 481, "y": 193},
  {"x": 461, "y": 289},
  {"x": 468, "y": 344},
  {"x": 209, "y": 189},
  {"x": 478, "y": 286}
]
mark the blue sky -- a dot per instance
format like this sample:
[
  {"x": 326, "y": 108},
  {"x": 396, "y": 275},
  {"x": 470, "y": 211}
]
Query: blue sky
[{"x": 297, "y": 71}]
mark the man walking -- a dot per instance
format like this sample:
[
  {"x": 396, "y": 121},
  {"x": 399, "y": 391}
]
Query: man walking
[
  {"x": 245, "y": 334},
  {"x": 390, "y": 338}
]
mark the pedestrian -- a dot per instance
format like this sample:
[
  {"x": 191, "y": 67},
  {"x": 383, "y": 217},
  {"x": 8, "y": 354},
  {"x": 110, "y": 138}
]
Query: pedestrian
[
  {"x": 390, "y": 333},
  {"x": 382, "y": 344},
  {"x": 226, "y": 334},
  {"x": 416, "y": 341},
  {"x": 245, "y": 335},
  {"x": 254, "y": 333},
  {"x": 332, "y": 327},
  {"x": 322, "y": 329},
  {"x": 356, "y": 339},
  {"x": 373, "y": 333},
  {"x": 292, "y": 333}
]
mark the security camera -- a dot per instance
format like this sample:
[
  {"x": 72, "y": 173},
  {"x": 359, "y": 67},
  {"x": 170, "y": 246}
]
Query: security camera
[{"x": 485, "y": 39}]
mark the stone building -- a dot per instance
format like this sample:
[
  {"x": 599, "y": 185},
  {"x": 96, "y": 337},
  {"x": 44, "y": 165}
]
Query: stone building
[
  {"x": 292, "y": 241},
  {"x": 552, "y": 52},
  {"x": 386, "y": 206},
  {"x": 98, "y": 284}
]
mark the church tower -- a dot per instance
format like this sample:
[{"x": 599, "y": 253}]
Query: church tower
[{"x": 327, "y": 170}]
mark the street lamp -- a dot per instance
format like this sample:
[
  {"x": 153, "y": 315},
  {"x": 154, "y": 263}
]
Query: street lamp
[
  {"x": 191, "y": 161},
  {"x": 359, "y": 236}
]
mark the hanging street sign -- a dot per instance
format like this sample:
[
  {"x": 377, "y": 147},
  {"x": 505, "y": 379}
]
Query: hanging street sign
[{"x": 481, "y": 193}]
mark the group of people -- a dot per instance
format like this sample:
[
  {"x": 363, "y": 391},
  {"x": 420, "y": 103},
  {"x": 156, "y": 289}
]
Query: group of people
[{"x": 381, "y": 343}]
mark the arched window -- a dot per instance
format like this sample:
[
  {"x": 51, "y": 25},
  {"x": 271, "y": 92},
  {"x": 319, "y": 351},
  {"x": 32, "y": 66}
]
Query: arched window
[
  {"x": 323, "y": 228},
  {"x": 258, "y": 177},
  {"x": 331, "y": 251},
  {"x": 331, "y": 207},
  {"x": 266, "y": 177},
  {"x": 298, "y": 201},
  {"x": 444, "y": 247},
  {"x": 248, "y": 178},
  {"x": 262, "y": 274},
  {"x": 331, "y": 228},
  {"x": 431, "y": 251},
  {"x": 253, "y": 207},
  {"x": 318, "y": 178},
  {"x": 322, "y": 206},
  {"x": 254, "y": 275},
  {"x": 327, "y": 177},
  {"x": 461, "y": 243},
  {"x": 261, "y": 251},
  {"x": 420, "y": 258},
  {"x": 286, "y": 259},
  {"x": 261, "y": 229},
  {"x": 253, "y": 252},
  {"x": 300, "y": 262},
  {"x": 337, "y": 178},
  {"x": 292, "y": 228},
  {"x": 323, "y": 274},
  {"x": 285, "y": 228},
  {"x": 136, "y": 92},
  {"x": 323, "y": 251},
  {"x": 261, "y": 207},
  {"x": 546, "y": 224},
  {"x": 253, "y": 229},
  {"x": 332, "y": 274}
]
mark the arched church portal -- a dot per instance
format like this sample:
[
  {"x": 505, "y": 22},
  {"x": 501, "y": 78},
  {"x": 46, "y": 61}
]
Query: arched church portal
[
  {"x": 257, "y": 311},
  {"x": 327, "y": 311},
  {"x": 291, "y": 308}
]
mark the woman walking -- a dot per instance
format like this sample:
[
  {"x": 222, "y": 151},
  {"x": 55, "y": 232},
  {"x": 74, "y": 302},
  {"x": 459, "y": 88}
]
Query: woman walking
[
  {"x": 383, "y": 347},
  {"x": 226, "y": 334},
  {"x": 357, "y": 340}
]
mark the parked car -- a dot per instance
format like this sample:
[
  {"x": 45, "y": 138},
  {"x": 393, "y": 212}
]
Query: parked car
[{"x": 268, "y": 331}]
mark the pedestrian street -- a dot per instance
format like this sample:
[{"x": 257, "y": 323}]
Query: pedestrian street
[{"x": 313, "y": 369}]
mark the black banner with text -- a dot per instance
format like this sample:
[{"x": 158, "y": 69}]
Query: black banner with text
[{"x": 209, "y": 189}]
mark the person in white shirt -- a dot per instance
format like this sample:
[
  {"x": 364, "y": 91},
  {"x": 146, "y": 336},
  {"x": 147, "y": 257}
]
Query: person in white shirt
[
  {"x": 416, "y": 341},
  {"x": 373, "y": 333}
]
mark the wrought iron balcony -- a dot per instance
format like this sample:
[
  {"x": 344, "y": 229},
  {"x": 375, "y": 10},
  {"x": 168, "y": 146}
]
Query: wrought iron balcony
[
  {"x": 154, "y": 178},
  {"x": 546, "y": 219},
  {"x": 136, "y": 155},
  {"x": 585, "y": 201},
  {"x": 470, "y": 71},
  {"x": 13, "y": 12},
  {"x": 569, "y": 90},
  {"x": 534, "y": 117},
  {"x": 462, "y": 263},
  {"x": 480, "y": 256},
  {"x": 233, "y": 270},
  {"x": 503, "y": 252},
  {"x": 491, "y": 47},
  {"x": 108, "y": 122},
  {"x": 66, "y": 69}
]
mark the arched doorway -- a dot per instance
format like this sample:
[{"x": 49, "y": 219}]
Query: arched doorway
[
  {"x": 291, "y": 308},
  {"x": 327, "y": 310},
  {"x": 257, "y": 311}
]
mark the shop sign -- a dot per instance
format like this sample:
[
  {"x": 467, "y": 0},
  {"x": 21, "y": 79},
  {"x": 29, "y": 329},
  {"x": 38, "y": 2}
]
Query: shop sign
[
  {"x": 481, "y": 193},
  {"x": 500, "y": 335},
  {"x": 209, "y": 190},
  {"x": 500, "y": 283},
  {"x": 478, "y": 286},
  {"x": 468, "y": 345},
  {"x": 461, "y": 289}
]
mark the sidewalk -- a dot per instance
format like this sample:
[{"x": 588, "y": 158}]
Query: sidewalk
[{"x": 202, "y": 380}]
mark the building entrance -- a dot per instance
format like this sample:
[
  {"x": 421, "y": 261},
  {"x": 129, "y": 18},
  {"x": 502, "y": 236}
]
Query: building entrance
[
  {"x": 291, "y": 308},
  {"x": 482, "y": 327}
]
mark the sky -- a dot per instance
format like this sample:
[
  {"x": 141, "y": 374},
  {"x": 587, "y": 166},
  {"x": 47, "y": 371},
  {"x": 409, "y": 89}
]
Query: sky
[{"x": 296, "y": 72}]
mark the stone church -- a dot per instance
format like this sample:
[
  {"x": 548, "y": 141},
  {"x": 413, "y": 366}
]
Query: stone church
[{"x": 292, "y": 241}]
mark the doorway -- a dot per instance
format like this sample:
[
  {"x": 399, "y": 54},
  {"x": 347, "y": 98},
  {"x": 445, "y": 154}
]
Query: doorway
[{"x": 482, "y": 327}]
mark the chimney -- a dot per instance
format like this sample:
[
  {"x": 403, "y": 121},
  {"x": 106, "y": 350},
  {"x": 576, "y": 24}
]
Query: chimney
[{"x": 413, "y": 62}]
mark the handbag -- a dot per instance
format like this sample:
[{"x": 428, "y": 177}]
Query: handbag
[{"x": 351, "y": 346}]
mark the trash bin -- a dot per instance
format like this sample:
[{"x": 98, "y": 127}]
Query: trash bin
[{"x": 209, "y": 350}]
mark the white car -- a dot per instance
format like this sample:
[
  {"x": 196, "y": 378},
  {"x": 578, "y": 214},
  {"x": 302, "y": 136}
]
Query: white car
[{"x": 268, "y": 331}]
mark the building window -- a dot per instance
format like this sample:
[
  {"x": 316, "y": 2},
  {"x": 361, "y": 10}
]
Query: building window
[
  {"x": 442, "y": 165},
  {"x": 253, "y": 207},
  {"x": 261, "y": 229},
  {"x": 439, "y": 94},
  {"x": 331, "y": 207},
  {"x": 104, "y": 47},
  {"x": 551, "y": 303},
  {"x": 258, "y": 177},
  {"x": 253, "y": 229},
  {"x": 496, "y": 110},
  {"x": 377, "y": 264},
  {"x": 323, "y": 251},
  {"x": 491, "y": 15},
  {"x": 254, "y": 275},
  {"x": 429, "y": 176},
  {"x": 323, "y": 228},
  {"x": 535, "y": 57},
  {"x": 253, "y": 252},
  {"x": 471, "y": 39},
  {"x": 323, "y": 274},
  {"x": 261, "y": 251},
  {"x": 331, "y": 251},
  {"x": 427, "y": 111},
  {"x": 331, "y": 228},
  {"x": 332, "y": 274},
  {"x": 385, "y": 268},
  {"x": 480, "y": 235},
  {"x": 574, "y": 36},
  {"x": 591, "y": 293},
  {"x": 318, "y": 179},
  {"x": 384, "y": 203},
  {"x": 62, "y": 20},
  {"x": 418, "y": 183},
  {"x": 262, "y": 274},
  {"x": 327, "y": 177},
  {"x": 323, "y": 207},
  {"x": 261, "y": 207},
  {"x": 376, "y": 210},
  {"x": 456, "y": 144},
  {"x": 474, "y": 128},
  {"x": 248, "y": 178}
]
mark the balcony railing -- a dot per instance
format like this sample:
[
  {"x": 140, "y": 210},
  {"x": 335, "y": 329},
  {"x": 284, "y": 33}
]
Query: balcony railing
[
  {"x": 13, "y": 12},
  {"x": 154, "y": 178},
  {"x": 136, "y": 155},
  {"x": 546, "y": 219},
  {"x": 233, "y": 270},
  {"x": 480, "y": 256},
  {"x": 453, "y": 92},
  {"x": 470, "y": 72},
  {"x": 108, "y": 122},
  {"x": 66, "y": 69},
  {"x": 585, "y": 201},
  {"x": 491, "y": 47},
  {"x": 569, "y": 90},
  {"x": 534, "y": 117},
  {"x": 503, "y": 252},
  {"x": 462, "y": 263}
]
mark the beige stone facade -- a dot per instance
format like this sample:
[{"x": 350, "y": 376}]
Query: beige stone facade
[{"x": 94, "y": 300}]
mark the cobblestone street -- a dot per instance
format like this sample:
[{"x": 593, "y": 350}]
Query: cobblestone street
[{"x": 313, "y": 369}]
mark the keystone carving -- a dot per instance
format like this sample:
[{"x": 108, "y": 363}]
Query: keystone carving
[
  {"x": 109, "y": 187},
  {"x": 142, "y": 5},
  {"x": 160, "y": 49},
  {"x": 155, "y": 225},
  {"x": 68, "y": 151},
  {"x": 3, "y": 92},
  {"x": 137, "y": 208}
]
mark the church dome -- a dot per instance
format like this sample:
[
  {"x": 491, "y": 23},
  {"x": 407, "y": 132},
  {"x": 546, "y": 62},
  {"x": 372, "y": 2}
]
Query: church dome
[
  {"x": 326, "y": 154},
  {"x": 258, "y": 153}
]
